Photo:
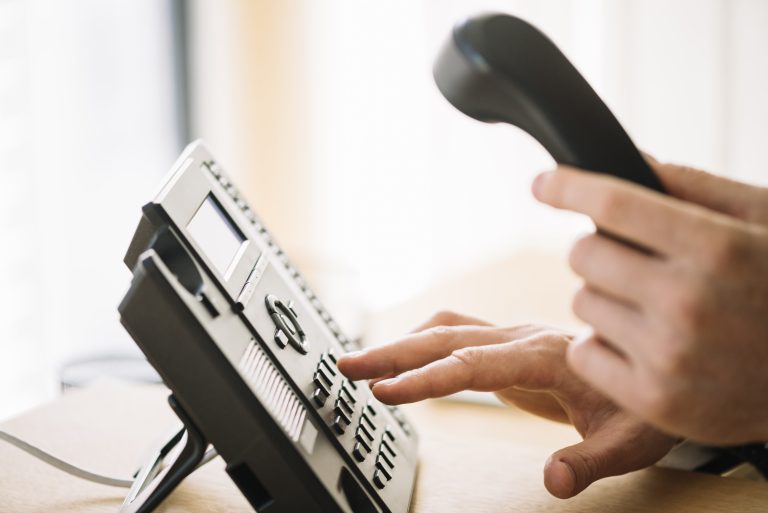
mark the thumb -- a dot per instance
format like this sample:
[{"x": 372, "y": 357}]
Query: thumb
[
  {"x": 616, "y": 448},
  {"x": 711, "y": 191}
]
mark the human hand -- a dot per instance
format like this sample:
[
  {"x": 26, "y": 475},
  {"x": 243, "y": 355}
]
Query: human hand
[
  {"x": 525, "y": 366},
  {"x": 680, "y": 333}
]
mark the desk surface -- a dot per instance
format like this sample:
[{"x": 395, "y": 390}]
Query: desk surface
[{"x": 473, "y": 458}]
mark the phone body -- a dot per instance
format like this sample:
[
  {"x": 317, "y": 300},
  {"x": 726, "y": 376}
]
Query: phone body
[{"x": 248, "y": 352}]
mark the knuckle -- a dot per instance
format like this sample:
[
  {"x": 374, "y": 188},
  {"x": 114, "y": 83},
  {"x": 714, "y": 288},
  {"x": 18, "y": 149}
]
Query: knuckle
[
  {"x": 686, "y": 309},
  {"x": 609, "y": 205},
  {"x": 724, "y": 250},
  {"x": 444, "y": 318},
  {"x": 423, "y": 378},
  {"x": 441, "y": 332},
  {"x": 470, "y": 357}
]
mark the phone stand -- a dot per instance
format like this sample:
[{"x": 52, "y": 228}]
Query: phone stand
[{"x": 157, "y": 478}]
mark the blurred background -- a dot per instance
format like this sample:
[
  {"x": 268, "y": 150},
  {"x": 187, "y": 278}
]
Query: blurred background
[{"x": 392, "y": 203}]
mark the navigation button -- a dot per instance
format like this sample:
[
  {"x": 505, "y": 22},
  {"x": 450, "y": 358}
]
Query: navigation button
[{"x": 281, "y": 339}]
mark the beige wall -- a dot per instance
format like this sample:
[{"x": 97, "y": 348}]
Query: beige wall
[
  {"x": 327, "y": 112},
  {"x": 249, "y": 100}
]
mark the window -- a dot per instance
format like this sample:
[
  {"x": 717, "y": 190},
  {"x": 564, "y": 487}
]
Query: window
[{"x": 89, "y": 122}]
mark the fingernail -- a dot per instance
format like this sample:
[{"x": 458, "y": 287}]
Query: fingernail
[
  {"x": 351, "y": 354},
  {"x": 539, "y": 182}
]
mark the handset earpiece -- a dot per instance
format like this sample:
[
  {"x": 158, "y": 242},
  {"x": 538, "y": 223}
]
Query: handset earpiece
[{"x": 499, "y": 68}]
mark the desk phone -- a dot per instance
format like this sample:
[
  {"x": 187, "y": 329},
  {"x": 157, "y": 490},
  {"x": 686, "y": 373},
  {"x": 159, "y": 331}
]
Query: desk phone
[{"x": 248, "y": 352}]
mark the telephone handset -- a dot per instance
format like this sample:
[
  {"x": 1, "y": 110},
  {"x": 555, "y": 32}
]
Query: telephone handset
[
  {"x": 499, "y": 68},
  {"x": 248, "y": 352}
]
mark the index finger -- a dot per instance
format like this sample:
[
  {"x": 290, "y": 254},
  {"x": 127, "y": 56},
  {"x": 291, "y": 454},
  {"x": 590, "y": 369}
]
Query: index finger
[
  {"x": 418, "y": 349},
  {"x": 533, "y": 363},
  {"x": 655, "y": 221}
]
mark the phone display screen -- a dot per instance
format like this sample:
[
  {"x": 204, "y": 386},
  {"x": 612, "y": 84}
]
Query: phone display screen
[{"x": 215, "y": 233}]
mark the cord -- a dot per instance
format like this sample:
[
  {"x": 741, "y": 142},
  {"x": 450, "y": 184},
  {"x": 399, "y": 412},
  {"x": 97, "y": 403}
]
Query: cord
[
  {"x": 63, "y": 465},
  {"x": 77, "y": 471}
]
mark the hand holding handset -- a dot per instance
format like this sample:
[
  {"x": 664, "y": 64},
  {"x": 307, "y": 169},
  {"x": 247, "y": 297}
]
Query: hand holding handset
[{"x": 499, "y": 68}]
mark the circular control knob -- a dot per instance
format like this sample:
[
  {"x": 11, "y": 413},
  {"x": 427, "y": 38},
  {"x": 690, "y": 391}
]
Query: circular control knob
[{"x": 287, "y": 327}]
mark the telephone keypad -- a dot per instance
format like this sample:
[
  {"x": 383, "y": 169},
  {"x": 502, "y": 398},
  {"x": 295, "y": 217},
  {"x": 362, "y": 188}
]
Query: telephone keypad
[{"x": 371, "y": 442}]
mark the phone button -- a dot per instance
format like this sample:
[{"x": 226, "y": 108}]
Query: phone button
[
  {"x": 365, "y": 420},
  {"x": 382, "y": 457},
  {"x": 386, "y": 447},
  {"x": 360, "y": 452},
  {"x": 319, "y": 396},
  {"x": 339, "y": 425},
  {"x": 380, "y": 479},
  {"x": 284, "y": 317},
  {"x": 341, "y": 402},
  {"x": 382, "y": 468}
]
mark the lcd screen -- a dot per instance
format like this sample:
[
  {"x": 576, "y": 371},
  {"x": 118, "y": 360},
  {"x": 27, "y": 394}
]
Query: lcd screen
[{"x": 213, "y": 231}]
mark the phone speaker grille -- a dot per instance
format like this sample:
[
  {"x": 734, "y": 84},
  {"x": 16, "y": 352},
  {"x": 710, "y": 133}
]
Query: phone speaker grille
[{"x": 272, "y": 390}]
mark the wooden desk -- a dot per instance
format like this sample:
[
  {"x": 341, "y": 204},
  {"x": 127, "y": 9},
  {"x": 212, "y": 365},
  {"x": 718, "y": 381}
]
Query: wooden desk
[{"x": 474, "y": 459}]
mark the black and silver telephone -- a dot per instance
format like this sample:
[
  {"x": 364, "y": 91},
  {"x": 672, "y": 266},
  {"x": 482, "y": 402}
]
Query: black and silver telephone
[{"x": 249, "y": 352}]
